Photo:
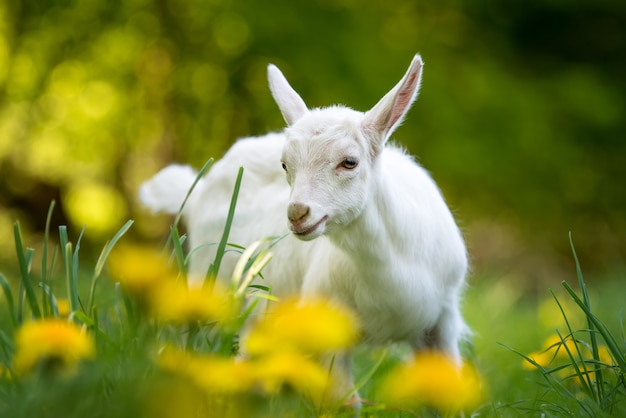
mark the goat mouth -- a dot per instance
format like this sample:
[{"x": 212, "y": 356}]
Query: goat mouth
[{"x": 303, "y": 232}]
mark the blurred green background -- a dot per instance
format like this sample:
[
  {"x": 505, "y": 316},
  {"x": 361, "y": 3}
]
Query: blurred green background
[{"x": 521, "y": 116}]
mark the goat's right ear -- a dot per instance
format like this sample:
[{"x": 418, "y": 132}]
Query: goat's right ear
[
  {"x": 387, "y": 114},
  {"x": 289, "y": 102}
]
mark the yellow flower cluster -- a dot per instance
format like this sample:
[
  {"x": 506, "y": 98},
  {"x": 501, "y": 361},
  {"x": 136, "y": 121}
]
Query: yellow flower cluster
[
  {"x": 53, "y": 342},
  {"x": 216, "y": 375},
  {"x": 434, "y": 380},
  {"x": 63, "y": 307},
  {"x": 282, "y": 347},
  {"x": 173, "y": 301},
  {"x": 148, "y": 276},
  {"x": 309, "y": 326},
  {"x": 554, "y": 349}
]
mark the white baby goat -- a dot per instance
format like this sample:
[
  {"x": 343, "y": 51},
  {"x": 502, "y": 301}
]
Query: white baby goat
[{"x": 369, "y": 226}]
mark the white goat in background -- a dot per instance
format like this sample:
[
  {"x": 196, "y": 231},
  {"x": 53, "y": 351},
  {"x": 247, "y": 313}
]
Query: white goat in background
[{"x": 369, "y": 226}]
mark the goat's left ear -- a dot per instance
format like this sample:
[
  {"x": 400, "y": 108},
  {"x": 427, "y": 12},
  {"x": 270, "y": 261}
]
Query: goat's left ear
[
  {"x": 288, "y": 100},
  {"x": 387, "y": 114}
]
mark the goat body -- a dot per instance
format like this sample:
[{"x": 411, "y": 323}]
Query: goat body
[{"x": 369, "y": 227}]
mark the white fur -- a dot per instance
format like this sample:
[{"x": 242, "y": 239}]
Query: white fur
[
  {"x": 378, "y": 237},
  {"x": 166, "y": 191}
]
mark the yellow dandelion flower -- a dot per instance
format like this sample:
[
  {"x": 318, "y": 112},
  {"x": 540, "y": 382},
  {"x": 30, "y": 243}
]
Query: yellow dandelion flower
[
  {"x": 174, "y": 301},
  {"x": 63, "y": 307},
  {"x": 605, "y": 355},
  {"x": 542, "y": 358},
  {"x": 58, "y": 341},
  {"x": 312, "y": 326},
  {"x": 433, "y": 380},
  {"x": 294, "y": 370},
  {"x": 216, "y": 375},
  {"x": 221, "y": 374},
  {"x": 553, "y": 349},
  {"x": 138, "y": 269}
]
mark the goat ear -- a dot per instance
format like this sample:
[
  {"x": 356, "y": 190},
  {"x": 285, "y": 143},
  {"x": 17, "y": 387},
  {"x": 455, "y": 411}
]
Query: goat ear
[
  {"x": 387, "y": 114},
  {"x": 289, "y": 102}
]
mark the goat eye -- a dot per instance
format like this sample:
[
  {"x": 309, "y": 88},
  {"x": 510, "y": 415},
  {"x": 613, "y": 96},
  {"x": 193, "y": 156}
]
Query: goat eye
[
  {"x": 284, "y": 166},
  {"x": 349, "y": 163}
]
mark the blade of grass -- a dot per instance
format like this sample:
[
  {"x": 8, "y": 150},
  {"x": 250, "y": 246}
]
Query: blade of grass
[
  {"x": 47, "y": 293},
  {"x": 21, "y": 295},
  {"x": 174, "y": 239},
  {"x": 8, "y": 295},
  {"x": 109, "y": 247},
  {"x": 179, "y": 255},
  {"x": 272, "y": 242},
  {"x": 71, "y": 294},
  {"x": 75, "y": 261},
  {"x": 610, "y": 341},
  {"x": 592, "y": 335},
  {"x": 65, "y": 244},
  {"x": 586, "y": 381},
  {"x": 201, "y": 174},
  {"x": 6, "y": 344},
  {"x": 179, "y": 215},
  {"x": 50, "y": 283},
  {"x": 84, "y": 319},
  {"x": 70, "y": 259},
  {"x": 131, "y": 314},
  {"x": 106, "y": 250},
  {"x": 24, "y": 260},
  {"x": 583, "y": 376},
  {"x": 44, "y": 259},
  {"x": 214, "y": 268},
  {"x": 554, "y": 382}
]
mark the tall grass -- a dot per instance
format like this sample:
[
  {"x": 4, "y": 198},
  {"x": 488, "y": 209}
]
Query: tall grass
[{"x": 584, "y": 369}]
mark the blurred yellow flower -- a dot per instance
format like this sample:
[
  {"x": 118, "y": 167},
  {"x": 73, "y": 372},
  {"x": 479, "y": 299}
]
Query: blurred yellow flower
[
  {"x": 174, "y": 301},
  {"x": 216, "y": 375},
  {"x": 297, "y": 371},
  {"x": 310, "y": 326},
  {"x": 434, "y": 380},
  {"x": 553, "y": 348},
  {"x": 51, "y": 340},
  {"x": 146, "y": 274},
  {"x": 231, "y": 376},
  {"x": 139, "y": 269},
  {"x": 556, "y": 350},
  {"x": 222, "y": 374},
  {"x": 63, "y": 307},
  {"x": 605, "y": 355}
]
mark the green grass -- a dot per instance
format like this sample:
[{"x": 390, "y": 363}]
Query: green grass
[{"x": 125, "y": 380}]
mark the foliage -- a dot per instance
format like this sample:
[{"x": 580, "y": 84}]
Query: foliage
[{"x": 586, "y": 375}]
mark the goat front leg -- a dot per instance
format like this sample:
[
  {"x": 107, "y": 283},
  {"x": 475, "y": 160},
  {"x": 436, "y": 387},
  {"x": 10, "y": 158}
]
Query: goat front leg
[{"x": 447, "y": 334}]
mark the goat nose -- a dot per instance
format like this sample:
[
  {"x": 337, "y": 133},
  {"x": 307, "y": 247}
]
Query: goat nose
[{"x": 297, "y": 212}]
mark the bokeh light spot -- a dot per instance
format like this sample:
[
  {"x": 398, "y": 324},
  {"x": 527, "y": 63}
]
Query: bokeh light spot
[
  {"x": 99, "y": 207},
  {"x": 231, "y": 33},
  {"x": 209, "y": 82},
  {"x": 98, "y": 99}
]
